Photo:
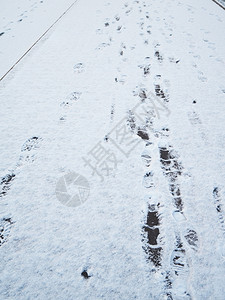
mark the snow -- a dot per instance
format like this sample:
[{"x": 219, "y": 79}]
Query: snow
[
  {"x": 22, "y": 23},
  {"x": 75, "y": 89}
]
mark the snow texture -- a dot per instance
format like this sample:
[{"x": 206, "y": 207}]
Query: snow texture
[{"x": 131, "y": 96}]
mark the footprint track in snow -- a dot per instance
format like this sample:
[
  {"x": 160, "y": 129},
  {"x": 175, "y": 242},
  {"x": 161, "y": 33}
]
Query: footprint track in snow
[
  {"x": 20, "y": 17},
  {"x": 5, "y": 183},
  {"x": 160, "y": 93},
  {"x": 151, "y": 233},
  {"x": 71, "y": 98},
  {"x": 196, "y": 121},
  {"x": 173, "y": 169},
  {"x": 5, "y": 228},
  {"x": 146, "y": 69},
  {"x": 29, "y": 150},
  {"x": 158, "y": 56},
  {"x": 79, "y": 68},
  {"x": 219, "y": 208},
  {"x": 180, "y": 271}
]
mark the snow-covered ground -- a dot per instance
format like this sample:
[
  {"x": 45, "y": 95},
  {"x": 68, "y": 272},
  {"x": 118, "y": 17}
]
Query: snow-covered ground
[
  {"x": 129, "y": 95},
  {"x": 22, "y": 23}
]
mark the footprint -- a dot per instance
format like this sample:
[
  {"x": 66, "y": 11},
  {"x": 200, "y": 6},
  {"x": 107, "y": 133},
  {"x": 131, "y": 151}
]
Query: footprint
[
  {"x": 192, "y": 239},
  {"x": 202, "y": 78},
  {"x": 146, "y": 69},
  {"x": 5, "y": 227},
  {"x": 194, "y": 118},
  {"x": 219, "y": 207},
  {"x": 28, "y": 150},
  {"x": 146, "y": 158},
  {"x": 179, "y": 216},
  {"x": 141, "y": 92},
  {"x": 180, "y": 269},
  {"x": 172, "y": 169},
  {"x": 131, "y": 121},
  {"x": 31, "y": 144},
  {"x": 151, "y": 235},
  {"x": 5, "y": 183},
  {"x": 143, "y": 134},
  {"x": 159, "y": 56},
  {"x": 168, "y": 287},
  {"x": 174, "y": 60},
  {"x": 74, "y": 96},
  {"x": 122, "y": 49},
  {"x": 148, "y": 181},
  {"x": 160, "y": 93},
  {"x": 128, "y": 12},
  {"x": 79, "y": 68}
]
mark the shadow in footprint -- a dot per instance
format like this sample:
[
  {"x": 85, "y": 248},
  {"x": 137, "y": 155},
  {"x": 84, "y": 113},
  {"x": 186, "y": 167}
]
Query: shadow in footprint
[{"x": 151, "y": 236}]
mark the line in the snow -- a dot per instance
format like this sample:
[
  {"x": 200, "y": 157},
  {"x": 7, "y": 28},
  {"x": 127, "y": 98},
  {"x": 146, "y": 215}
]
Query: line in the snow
[
  {"x": 35, "y": 43},
  {"x": 220, "y": 4}
]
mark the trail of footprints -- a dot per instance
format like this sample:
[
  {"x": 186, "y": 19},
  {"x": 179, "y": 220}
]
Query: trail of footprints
[
  {"x": 8, "y": 27},
  {"x": 68, "y": 102},
  {"x": 29, "y": 149},
  {"x": 219, "y": 207},
  {"x": 28, "y": 155},
  {"x": 176, "y": 279},
  {"x": 177, "y": 273},
  {"x": 172, "y": 170}
]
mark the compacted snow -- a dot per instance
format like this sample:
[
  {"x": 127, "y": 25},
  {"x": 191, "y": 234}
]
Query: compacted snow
[{"x": 112, "y": 150}]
